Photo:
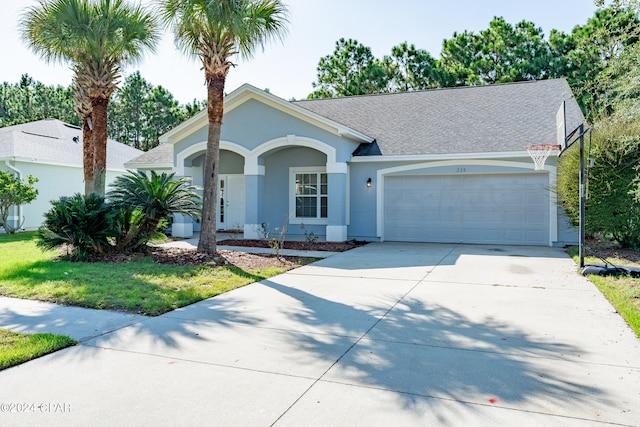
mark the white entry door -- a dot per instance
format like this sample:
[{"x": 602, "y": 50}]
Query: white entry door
[{"x": 232, "y": 202}]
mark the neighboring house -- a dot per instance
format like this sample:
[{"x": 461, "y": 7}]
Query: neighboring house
[
  {"x": 51, "y": 151},
  {"x": 445, "y": 165}
]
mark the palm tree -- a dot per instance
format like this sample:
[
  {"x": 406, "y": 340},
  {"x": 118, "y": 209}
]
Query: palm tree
[
  {"x": 83, "y": 108},
  {"x": 97, "y": 38},
  {"x": 215, "y": 31}
]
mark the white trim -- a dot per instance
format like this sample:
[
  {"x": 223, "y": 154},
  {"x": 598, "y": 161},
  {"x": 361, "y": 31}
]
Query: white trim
[
  {"x": 553, "y": 205},
  {"x": 292, "y": 194},
  {"x": 337, "y": 167},
  {"x": 526, "y": 168},
  {"x": 347, "y": 193},
  {"x": 253, "y": 168},
  {"x": 201, "y": 147},
  {"x": 298, "y": 141},
  {"x": 32, "y": 160},
  {"x": 336, "y": 233},
  {"x": 252, "y": 165},
  {"x": 434, "y": 157}
]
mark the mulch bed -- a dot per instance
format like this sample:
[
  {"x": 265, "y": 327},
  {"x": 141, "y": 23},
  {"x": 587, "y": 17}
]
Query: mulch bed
[
  {"x": 606, "y": 249},
  {"x": 191, "y": 257},
  {"x": 181, "y": 256},
  {"x": 303, "y": 246}
]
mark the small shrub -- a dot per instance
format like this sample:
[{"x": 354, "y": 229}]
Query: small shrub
[
  {"x": 275, "y": 241},
  {"x": 309, "y": 236},
  {"x": 83, "y": 223},
  {"x": 14, "y": 192}
]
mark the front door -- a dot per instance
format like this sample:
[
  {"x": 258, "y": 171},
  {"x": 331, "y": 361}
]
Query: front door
[{"x": 231, "y": 202}]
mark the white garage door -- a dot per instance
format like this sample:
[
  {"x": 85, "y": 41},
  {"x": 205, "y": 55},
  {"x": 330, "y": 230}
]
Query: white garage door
[{"x": 497, "y": 209}]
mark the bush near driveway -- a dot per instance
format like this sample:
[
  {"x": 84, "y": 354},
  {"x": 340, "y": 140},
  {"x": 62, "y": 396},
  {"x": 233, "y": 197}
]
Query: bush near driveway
[{"x": 612, "y": 207}]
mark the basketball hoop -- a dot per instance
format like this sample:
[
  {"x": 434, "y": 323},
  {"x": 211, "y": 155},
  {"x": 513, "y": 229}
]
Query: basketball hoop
[{"x": 540, "y": 152}]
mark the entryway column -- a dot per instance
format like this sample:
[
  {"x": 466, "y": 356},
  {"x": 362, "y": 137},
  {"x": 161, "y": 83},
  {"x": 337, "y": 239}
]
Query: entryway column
[
  {"x": 337, "y": 202},
  {"x": 182, "y": 225},
  {"x": 254, "y": 196}
]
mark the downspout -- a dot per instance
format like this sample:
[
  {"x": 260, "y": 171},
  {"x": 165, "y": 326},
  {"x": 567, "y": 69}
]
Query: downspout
[{"x": 19, "y": 173}]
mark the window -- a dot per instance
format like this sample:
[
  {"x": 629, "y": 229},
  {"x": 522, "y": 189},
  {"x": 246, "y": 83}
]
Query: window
[{"x": 310, "y": 195}]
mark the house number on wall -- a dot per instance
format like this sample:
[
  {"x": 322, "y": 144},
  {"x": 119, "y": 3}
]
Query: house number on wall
[{"x": 461, "y": 170}]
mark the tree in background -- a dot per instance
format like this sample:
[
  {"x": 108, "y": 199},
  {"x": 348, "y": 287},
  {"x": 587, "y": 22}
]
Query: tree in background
[
  {"x": 96, "y": 38},
  {"x": 350, "y": 70},
  {"x": 127, "y": 110},
  {"x": 409, "y": 69},
  {"x": 14, "y": 192},
  {"x": 162, "y": 113},
  {"x": 29, "y": 100},
  {"x": 215, "y": 32},
  {"x": 593, "y": 51},
  {"x": 141, "y": 112},
  {"x": 592, "y": 58},
  {"x": 501, "y": 53}
]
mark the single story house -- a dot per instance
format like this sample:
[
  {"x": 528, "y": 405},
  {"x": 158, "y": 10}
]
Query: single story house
[
  {"x": 51, "y": 151},
  {"x": 443, "y": 165}
]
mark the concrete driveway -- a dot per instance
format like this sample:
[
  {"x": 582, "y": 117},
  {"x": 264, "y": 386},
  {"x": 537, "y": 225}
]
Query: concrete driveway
[{"x": 384, "y": 335}]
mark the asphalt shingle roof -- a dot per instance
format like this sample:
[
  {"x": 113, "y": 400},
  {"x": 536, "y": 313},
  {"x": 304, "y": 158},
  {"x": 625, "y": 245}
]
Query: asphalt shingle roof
[
  {"x": 162, "y": 153},
  {"x": 493, "y": 118},
  {"x": 476, "y": 119},
  {"x": 52, "y": 141}
]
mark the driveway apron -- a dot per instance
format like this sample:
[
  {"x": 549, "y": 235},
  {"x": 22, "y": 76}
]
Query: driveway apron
[{"x": 386, "y": 334}]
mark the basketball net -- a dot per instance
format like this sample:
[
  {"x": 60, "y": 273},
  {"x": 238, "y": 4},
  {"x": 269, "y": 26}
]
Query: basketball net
[{"x": 540, "y": 152}]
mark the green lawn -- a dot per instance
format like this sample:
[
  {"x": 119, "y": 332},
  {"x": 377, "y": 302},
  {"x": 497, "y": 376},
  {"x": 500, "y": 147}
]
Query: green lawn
[
  {"x": 18, "y": 348},
  {"x": 140, "y": 286},
  {"x": 623, "y": 292}
]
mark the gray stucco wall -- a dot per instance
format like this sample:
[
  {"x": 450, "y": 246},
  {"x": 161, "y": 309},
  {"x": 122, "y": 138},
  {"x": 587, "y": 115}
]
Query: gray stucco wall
[
  {"x": 276, "y": 187},
  {"x": 254, "y": 123}
]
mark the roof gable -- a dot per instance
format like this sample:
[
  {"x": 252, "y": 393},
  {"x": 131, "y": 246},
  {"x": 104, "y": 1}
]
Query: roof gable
[{"x": 246, "y": 93}]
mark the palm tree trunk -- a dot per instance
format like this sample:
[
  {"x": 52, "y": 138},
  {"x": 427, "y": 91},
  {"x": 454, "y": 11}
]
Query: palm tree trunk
[
  {"x": 99, "y": 106},
  {"x": 215, "y": 109},
  {"x": 87, "y": 155}
]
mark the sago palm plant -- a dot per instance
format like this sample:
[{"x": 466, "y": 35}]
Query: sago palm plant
[
  {"x": 82, "y": 223},
  {"x": 144, "y": 201}
]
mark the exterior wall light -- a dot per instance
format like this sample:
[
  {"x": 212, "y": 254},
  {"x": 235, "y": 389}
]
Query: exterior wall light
[{"x": 369, "y": 183}]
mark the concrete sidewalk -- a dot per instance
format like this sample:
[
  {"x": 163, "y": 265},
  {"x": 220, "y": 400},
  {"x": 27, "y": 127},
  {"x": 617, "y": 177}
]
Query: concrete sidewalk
[{"x": 386, "y": 334}]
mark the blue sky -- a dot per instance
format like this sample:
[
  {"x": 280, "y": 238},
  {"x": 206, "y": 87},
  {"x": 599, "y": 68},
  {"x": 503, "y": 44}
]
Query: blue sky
[{"x": 288, "y": 69}]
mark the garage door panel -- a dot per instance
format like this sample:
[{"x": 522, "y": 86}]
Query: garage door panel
[{"x": 510, "y": 209}]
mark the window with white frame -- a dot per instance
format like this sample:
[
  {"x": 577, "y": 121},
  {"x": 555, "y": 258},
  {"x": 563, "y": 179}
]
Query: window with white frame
[{"x": 309, "y": 195}]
